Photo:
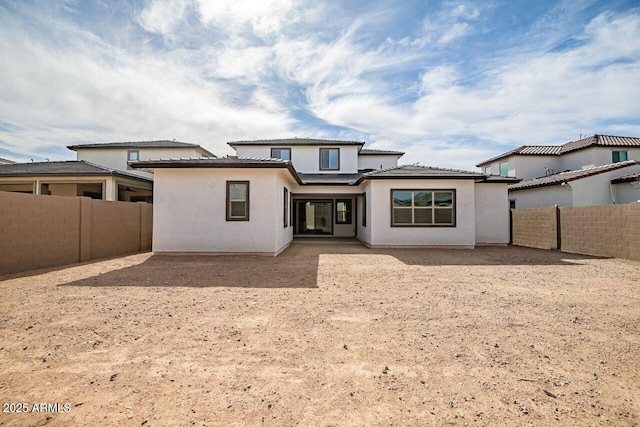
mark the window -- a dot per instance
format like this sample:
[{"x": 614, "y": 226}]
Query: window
[
  {"x": 343, "y": 211},
  {"x": 132, "y": 156},
  {"x": 423, "y": 208},
  {"x": 487, "y": 170},
  {"x": 504, "y": 169},
  {"x": 364, "y": 209},
  {"x": 281, "y": 153},
  {"x": 512, "y": 204},
  {"x": 329, "y": 159},
  {"x": 286, "y": 206},
  {"x": 237, "y": 200},
  {"x": 619, "y": 156}
]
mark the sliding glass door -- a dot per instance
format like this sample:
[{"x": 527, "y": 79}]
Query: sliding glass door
[{"x": 314, "y": 217}]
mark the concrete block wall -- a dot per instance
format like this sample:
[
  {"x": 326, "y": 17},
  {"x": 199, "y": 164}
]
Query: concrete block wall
[
  {"x": 535, "y": 228},
  {"x": 610, "y": 231},
  {"x": 47, "y": 231}
]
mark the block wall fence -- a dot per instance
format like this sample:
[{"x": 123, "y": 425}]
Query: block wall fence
[
  {"x": 609, "y": 231},
  {"x": 47, "y": 231}
]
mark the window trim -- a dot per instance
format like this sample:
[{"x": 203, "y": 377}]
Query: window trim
[
  {"x": 424, "y": 190},
  {"x": 320, "y": 159},
  {"x": 129, "y": 157},
  {"x": 364, "y": 209},
  {"x": 285, "y": 206},
  {"x": 228, "y": 202},
  {"x": 618, "y": 152},
  {"x": 349, "y": 204},
  {"x": 500, "y": 167},
  {"x": 279, "y": 148}
]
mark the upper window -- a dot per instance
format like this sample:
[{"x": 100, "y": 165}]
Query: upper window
[
  {"x": 504, "y": 169},
  {"x": 132, "y": 156},
  {"x": 281, "y": 153},
  {"x": 423, "y": 208},
  {"x": 487, "y": 170},
  {"x": 329, "y": 159},
  {"x": 619, "y": 156},
  {"x": 237, "y": 200},
  {"x": 343, "y": 211}
]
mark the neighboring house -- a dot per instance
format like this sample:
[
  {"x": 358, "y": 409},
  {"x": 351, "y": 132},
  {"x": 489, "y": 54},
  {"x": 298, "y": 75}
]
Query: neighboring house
[
  {"x": 591, "y": 164},
  {"x": 74, "y": 178},
  {"x": 101, "y": 171},
  {"x": 5, "y": 161},
  {"x": 535, "y": 161},
  {"x": 598, "y": 185},
  {"x": 275, "y": 190}
]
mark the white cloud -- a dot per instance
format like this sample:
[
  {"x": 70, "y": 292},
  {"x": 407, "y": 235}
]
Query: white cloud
[
  {"x": 457, "y": 30},
  {"x": 162, "y": 17}
]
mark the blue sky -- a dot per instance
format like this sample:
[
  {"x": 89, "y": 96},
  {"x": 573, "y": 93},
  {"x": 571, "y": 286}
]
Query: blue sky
[{"x": 449, "y": 82}]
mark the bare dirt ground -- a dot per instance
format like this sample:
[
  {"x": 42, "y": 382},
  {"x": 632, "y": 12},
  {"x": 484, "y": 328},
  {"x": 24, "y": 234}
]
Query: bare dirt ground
[{"x": 330, "y": 335}]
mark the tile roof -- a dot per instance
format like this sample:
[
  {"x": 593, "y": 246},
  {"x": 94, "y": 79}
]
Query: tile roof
[
  {"x": 216, "y": 162},
  {"x": 558, "y": 150},
  {"x": 295, "y": 141},
  {"x": 141, "y": 144},
  {"x": 568, "y": 176},
  {"x": 71, "y": 167},
  {"x": 430, "y": 172},
  {"x": 371, "y": 151},
  {"x": 330, "y": 178},
  {"x": 627, "y": 178}
]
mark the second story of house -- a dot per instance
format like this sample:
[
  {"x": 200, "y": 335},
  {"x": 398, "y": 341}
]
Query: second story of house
[
  {"x": 535, "y": 161},
  {"x": 319, "y": 156},
  {"x": 117, "y": 155}
]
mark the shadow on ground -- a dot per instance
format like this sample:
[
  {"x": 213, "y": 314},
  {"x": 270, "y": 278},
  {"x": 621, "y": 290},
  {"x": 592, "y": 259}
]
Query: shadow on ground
[{"x": 297, "y": 267}]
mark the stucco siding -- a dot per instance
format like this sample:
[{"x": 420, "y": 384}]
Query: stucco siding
[
  {"x": 376, "y": 161},
  {"x": 364, "y": 232},
  {"x": 189, "y": 213},
  {"x": 492, "y": 214},
  {"x": 306, "y": 159},
  {"x": 542, "y": 197},
  {"x": 627, "y": 192},
  {"x": 383, "y": 234}
]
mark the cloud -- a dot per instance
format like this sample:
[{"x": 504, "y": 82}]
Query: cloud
[{"x": 213, "y": 71}]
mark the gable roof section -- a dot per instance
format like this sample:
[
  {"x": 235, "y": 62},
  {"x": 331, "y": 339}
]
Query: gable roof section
[
  {"x": 372, "y": 152},
  {"x": 568, "y": 176},
  {"x": 430, "y": 172},
  {"x": 65, "y": 168},
  {"x": 294, "y": 142},
  {"x": 224, "y": 162},
  {"x": 142, "y": 144},
  {"x": 558, "y": 150}
]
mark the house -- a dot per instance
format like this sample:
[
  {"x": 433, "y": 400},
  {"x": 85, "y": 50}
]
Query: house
[
  {"x": 100, "y": 171},
  {"x": 75, "y": 178},
  {"x": 275, "y": 190},
  {"x": 578, "y": 173}
]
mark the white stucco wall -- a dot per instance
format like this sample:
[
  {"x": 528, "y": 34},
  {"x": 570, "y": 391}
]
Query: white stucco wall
[
  {"x": 382, "y": 234},
  {"x": 627, "y": 192},
  {"x": 189, "y": 211},
  {"x": 595, "y": 156},
  {"x": 364, "y": 233},
  {"x": 116, "y": 158},
  {"x": 377, "y": 161},
  {"x": 306, "y": 158},
  {"x": 492, "y": 214},
  {"x": 542, "y": 197},
  {"x": 284, "y": 235},
  {"x": 596, "y": 190}
]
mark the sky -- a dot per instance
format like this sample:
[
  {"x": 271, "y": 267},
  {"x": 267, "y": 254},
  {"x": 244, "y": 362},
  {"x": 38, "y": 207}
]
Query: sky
[{"x": 451, "y": 83}]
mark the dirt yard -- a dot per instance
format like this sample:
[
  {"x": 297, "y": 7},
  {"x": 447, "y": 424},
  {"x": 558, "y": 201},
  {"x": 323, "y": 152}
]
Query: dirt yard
[{"x": 328, "y": 335}]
